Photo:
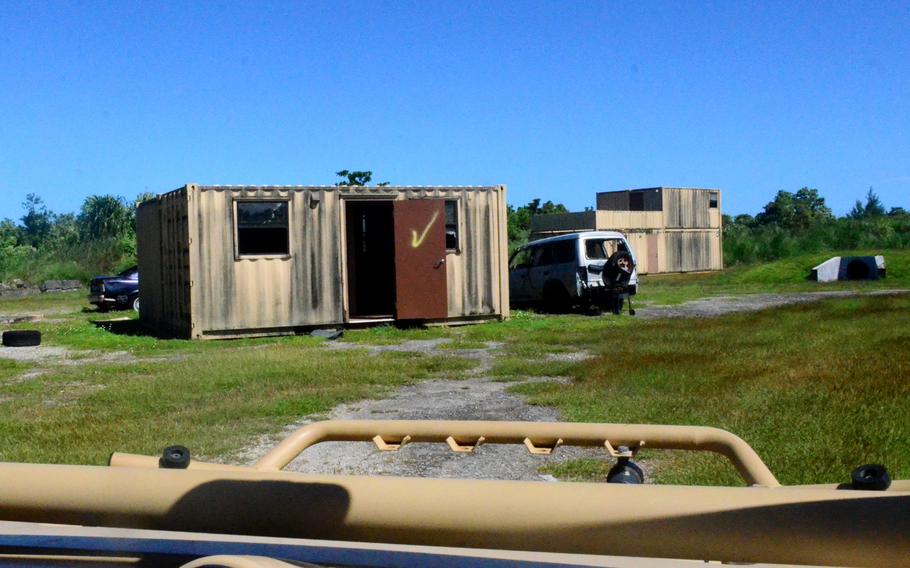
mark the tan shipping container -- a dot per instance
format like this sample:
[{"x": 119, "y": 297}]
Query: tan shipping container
[{"x": 235, "y": 261}]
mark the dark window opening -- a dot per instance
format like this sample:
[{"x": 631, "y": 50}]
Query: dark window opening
[
  {"x": 262, "y": 228},
  {"x": 712, "y": 201},
  {"x": 636, "y": 201},
  {"x": 452, "y": 240}
]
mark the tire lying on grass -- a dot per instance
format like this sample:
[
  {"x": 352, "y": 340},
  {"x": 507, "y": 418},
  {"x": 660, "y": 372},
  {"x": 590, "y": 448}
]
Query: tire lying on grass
[{"x": 21, "y": 338}]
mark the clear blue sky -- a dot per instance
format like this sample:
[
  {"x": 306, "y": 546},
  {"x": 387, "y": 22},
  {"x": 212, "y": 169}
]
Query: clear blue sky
[{"x": 557, "y": 100}]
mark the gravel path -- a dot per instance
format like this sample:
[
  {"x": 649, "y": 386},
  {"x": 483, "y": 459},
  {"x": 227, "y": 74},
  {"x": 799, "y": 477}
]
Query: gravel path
[
  {"x": 478, "y": 397},
  {"x": 721, "y": 305}
]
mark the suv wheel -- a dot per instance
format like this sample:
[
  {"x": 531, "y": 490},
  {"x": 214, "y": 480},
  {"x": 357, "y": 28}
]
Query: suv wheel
[{"x": 135, "y": 303}]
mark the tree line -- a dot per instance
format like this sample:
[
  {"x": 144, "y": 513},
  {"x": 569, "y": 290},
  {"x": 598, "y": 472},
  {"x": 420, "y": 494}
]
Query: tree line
[
  {"x": 45, "y": 245},
  {"x": 101, "y": 237},
  {"x": 801, "y": 222}
]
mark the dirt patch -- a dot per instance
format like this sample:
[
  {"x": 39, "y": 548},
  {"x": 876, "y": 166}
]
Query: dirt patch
[
  {"x": 484, "y": 355},
  {"x": 48, "y": 357},
  {"x": 569, "y": 357},
  {"x": 54, "y": 355}
]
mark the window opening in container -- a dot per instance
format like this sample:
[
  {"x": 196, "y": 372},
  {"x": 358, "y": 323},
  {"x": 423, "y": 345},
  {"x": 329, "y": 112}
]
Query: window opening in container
[
  {"x": 452, "y": 233},
  {"x": 262, "y": 228}
]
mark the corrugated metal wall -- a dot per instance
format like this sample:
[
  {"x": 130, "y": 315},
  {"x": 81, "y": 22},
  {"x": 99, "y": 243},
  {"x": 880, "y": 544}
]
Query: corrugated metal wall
[
  {"x": 687, "y": 208},
  {"x": 689, "y": 251},
  {"x": 148, "y": 251},
  {"x": 163, "y": 247},
  {"x": 243, "y": 293},
  {"x": 233, "y": 295},
  {"x": 556, "y": 224}
]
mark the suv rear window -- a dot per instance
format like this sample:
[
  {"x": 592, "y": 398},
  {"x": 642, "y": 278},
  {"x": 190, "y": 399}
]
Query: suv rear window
[{"x": 602, "y": 249}]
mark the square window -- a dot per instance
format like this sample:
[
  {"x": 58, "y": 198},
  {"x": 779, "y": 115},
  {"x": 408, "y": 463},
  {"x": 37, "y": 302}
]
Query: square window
[
  {"x": 712, "y": 200},
  {"x": 262, "y": 228},
  {"x": 452, "y": 233}
]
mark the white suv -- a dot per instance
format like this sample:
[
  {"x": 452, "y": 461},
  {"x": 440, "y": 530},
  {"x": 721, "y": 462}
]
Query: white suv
[{"x": 595, "y": 269}]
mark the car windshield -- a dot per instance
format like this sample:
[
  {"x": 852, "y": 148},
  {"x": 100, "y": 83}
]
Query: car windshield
[
  {"x": 130, "y": 273},
  {"x": 602, "y": 249}
]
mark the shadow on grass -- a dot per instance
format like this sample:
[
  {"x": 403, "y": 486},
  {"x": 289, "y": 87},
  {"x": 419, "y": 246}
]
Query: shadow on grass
[{"x": 124, "y": 326}]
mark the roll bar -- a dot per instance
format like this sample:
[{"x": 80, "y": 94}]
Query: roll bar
[{"x": 537, "y": 437}]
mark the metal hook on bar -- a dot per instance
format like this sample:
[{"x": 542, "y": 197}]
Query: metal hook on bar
[
  {"x": 623, "y": 453},
  {"x": 385, "y": 446},
  {"x": 541, "y": 449},
  {"x": 457, "y": 447}
]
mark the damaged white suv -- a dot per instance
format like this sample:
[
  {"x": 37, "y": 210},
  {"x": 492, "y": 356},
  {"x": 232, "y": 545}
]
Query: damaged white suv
[{"x": 594, "y": 269}]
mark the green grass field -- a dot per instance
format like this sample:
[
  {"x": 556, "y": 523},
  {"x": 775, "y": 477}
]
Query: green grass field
[
  {"x": 788, "y": 275},
  {"x": 817, "y": 389}
]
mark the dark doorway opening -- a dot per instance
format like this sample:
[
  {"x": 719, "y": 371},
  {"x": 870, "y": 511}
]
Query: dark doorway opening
[
  {"x": 858, "y": 269},
  {"x": 370, "y": 235}
]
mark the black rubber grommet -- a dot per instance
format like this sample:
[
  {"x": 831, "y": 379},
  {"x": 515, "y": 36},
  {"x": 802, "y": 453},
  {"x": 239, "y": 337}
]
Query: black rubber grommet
[
  {"x": 174, "y": 457},
  {"x": 870, "y": 477}
]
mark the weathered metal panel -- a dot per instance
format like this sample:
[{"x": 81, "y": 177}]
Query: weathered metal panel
[
  {"x": 501, "y": 229},
  {"x": 549, "y": 225},
  {"x": 613, "y": 201},
  {"x": 420, "y": 259},
  {"x": 175, "y": 263},
  {"x": 301, "y": 288},
  {"x": 163, "y": 248},
  {"x": 628, "y": 220},
  {"x": 649, "y": 199},
  {"x": 686, "y": 208},
  {"x": 692, "y": 251},
  {"x": 148, "y": 251},
  {"x": 653, "y": 199}
]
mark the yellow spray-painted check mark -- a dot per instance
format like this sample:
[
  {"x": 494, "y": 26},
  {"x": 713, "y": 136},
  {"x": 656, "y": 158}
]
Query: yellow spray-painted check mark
[{"x": 417, "y": 241}]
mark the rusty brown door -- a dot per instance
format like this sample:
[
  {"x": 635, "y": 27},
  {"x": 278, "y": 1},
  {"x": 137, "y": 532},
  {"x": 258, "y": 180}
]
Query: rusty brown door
[{"x": 420, "y": 256}]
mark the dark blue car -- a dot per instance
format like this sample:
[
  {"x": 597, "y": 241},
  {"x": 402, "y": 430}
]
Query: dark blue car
[{"x": 120, "y": 291}]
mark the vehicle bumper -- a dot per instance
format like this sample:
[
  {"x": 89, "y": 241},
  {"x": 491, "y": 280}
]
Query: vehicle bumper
[
  {"x": 98, "y": 300},
  {"x": 596, "y": 293}
]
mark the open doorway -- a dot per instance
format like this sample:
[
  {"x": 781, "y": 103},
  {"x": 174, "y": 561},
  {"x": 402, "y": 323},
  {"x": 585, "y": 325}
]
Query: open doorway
[{"x": 370, "y": 236}]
